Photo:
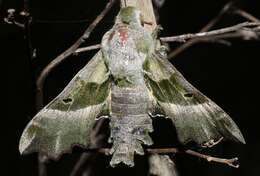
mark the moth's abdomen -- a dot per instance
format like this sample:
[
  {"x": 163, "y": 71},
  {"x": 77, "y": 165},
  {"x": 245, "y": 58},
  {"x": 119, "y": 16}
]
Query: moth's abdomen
[{"x": 129, "y": 123}]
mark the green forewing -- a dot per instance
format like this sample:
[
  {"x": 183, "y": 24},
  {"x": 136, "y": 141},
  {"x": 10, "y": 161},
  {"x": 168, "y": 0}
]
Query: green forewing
[
  {"x": 69, "y": 118},
  {"x": 195, "y": 116}
]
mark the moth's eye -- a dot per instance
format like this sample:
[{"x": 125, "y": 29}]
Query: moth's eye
[
  {"x": 67, "y": 100},
  {"x": 188, "y": 95}
]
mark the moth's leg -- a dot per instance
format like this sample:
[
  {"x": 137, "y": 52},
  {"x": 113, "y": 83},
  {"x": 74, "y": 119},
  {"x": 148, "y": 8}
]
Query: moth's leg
[
  {"x": 155, "y": 115},
  {"x": 102, "y": 117},
  {"x": 147, "y": 73},
  {"x": 211, "y": 143},
  {"x": 106, "y": 76}
]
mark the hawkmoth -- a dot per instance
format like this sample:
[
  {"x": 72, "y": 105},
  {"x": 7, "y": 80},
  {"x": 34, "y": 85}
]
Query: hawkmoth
[{"x": 130, "y": 81}]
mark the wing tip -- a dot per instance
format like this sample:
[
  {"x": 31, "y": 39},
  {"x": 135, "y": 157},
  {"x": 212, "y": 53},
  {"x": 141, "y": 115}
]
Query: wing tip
[
  {"x": 24, "y": 144},
  {"x": 240, "y": 138},
  {"x": 22, "y": 149}
]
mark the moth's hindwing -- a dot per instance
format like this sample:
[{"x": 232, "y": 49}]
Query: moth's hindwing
[
  {"x": 195, "y": 116},
  {"x": 69, "y": 118}
]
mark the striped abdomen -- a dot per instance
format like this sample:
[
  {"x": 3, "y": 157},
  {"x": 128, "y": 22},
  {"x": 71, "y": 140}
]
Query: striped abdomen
[{"x": 129, "y": 123}]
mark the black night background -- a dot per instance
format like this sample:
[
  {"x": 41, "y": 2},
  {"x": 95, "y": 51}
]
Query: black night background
[{"x": 226, "y": 74}]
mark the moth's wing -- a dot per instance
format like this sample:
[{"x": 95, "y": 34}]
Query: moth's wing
[
  {"x": 161, "y": 165},
  {"x": 68, "y": 119},
  {"x": 195, "y": 116}
]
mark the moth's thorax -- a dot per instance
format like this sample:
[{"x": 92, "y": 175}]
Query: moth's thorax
[{"x": 123, "y": 56}]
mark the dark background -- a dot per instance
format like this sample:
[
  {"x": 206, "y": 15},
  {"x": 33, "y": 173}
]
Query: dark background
[{"x": 228, "y": 75}]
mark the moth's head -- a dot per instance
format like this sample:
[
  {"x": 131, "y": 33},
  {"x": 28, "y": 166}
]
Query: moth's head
[{"x": 129, "y": 15}]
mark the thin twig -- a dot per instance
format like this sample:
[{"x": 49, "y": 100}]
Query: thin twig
[
  {"x": 184, "y": 37},
  {"x": 222, "y": 12},
  {"x": 252, "y": 34},
  {"x": 246, "y": 15},
  {"x": 203, "y": 36},
  {"x": 207, "y": 27},
  {"x": 68, "y": 52},
  {"x": 233, "y": 162},
  {"x": 88, "y": 48}
]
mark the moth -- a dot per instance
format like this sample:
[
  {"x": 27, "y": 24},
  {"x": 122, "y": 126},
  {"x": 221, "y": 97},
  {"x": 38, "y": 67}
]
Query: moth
[{"x": 130, "y": 81}]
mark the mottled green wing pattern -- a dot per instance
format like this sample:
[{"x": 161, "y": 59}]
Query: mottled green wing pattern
[
  {"x": 68, "y": 119},
  {"x": 195, "y": 116}
]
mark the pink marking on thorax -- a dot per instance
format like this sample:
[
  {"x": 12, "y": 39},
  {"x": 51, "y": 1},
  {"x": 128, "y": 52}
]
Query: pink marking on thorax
[{"x": 122, "y": 36}]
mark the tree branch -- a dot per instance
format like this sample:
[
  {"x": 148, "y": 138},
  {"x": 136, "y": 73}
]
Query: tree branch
[
  {"x": 184, "y": 37},
  {"x": 207, "y": 27},
  {"x": 146, "y": 8},
  {"x": 233, "y": 162},
  {"x": 246, "y": 30}
]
